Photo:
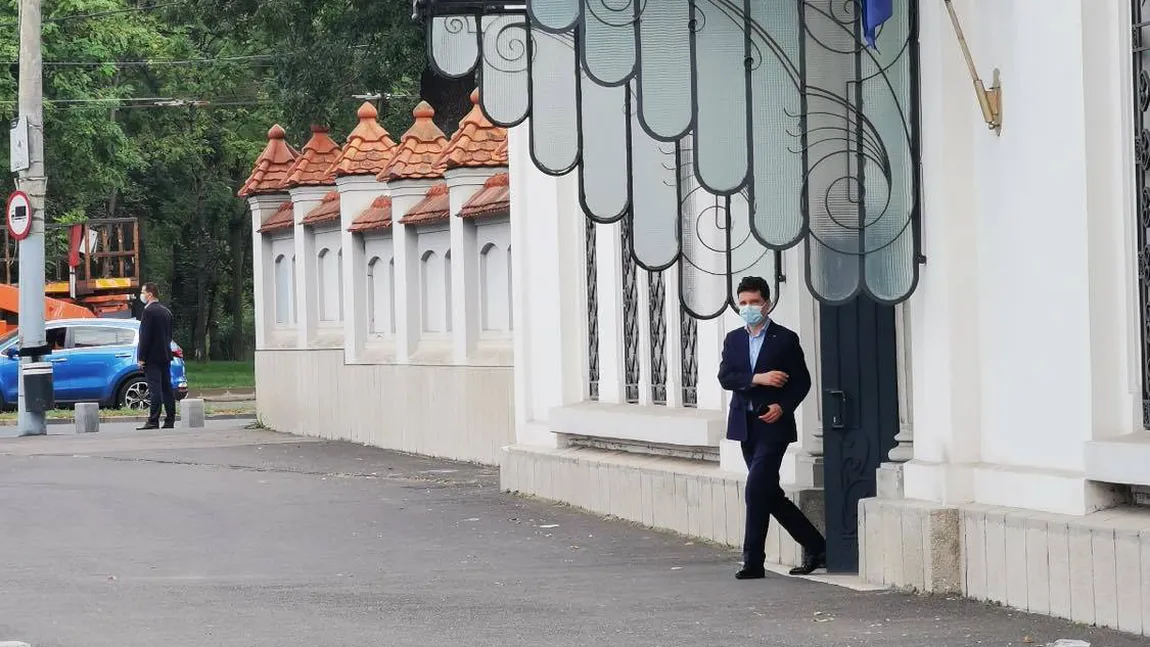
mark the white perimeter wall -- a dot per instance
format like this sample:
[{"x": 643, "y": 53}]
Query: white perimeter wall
[{"x": 1025, "y": 324}]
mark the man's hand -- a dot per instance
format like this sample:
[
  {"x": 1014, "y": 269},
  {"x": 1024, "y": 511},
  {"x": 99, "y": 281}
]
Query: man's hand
[
  {"x": 774, "y": 412},
  {"x": 776, "y": 379},
  {"x": 140, "y": 364}
]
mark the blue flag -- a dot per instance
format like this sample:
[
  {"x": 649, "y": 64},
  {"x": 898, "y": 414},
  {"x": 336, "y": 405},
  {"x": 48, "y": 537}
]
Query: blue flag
[{"x": 875, "y": 13}]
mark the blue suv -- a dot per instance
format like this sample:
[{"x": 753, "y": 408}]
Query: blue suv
[{"x": 93, "y": 360}]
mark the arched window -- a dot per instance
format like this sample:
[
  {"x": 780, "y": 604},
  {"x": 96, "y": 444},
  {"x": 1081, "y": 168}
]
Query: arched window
[
  {"x": 283, "y": 286},
  {"x": 431, "y": 292},
  {"x": 380, "y": 282},
  {"x": 493, "y": 292},
  {"x": 294, "y": 311},
  {"x": 373, "y": 279},
  {"x": 447, "y": 291},
  {"x": 391, "y": 294},
  {"x": 322, "y": 272},
  {"x": 339, "y": 275}
]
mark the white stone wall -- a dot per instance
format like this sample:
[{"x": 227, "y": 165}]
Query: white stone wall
[
  {"x": 1024, "y": 325},
  {"x": 358, "y": 349},
  {"x": 553, "y": 355}
]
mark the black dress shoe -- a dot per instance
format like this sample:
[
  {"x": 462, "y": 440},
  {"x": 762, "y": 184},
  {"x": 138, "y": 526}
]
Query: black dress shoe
[
  {"x": 147, "y": 426},
  {"x": 811, "y": 563},
  {"x": 749, "y": 573},
  {"x": 169, "y": 425}
]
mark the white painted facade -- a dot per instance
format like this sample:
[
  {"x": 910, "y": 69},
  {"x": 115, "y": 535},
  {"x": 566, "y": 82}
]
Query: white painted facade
[{"x": 1019, "y": 361}]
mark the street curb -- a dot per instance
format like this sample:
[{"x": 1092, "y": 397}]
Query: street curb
[{"x": 113, "y": 420}]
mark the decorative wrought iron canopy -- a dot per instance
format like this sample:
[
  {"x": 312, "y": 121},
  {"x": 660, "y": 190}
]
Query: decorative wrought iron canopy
[{"x": 720, "y": 132}]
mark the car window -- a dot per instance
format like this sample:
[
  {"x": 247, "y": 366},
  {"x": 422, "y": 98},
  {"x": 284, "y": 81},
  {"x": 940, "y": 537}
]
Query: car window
[
  {"x": 95, "y": 337},
  {"x": 56, "y": 337}
]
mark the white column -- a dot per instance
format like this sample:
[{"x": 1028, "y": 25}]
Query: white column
[
  {"x": 263, "y": 281},
  {"x": 1114, "y": 307},
  {"x": 356, "y": 193},
  {"x": 462, "y": 184},
  {"x": 609, "y": 267},
  {"x": 944, "y": 308},
  {"x": 405, "y": 194},
  {"x": 547, "y": 276},
  {"x": 305, "y": 199}
]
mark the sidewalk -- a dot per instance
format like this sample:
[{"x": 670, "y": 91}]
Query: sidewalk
[{"x": 246, "y": 538}]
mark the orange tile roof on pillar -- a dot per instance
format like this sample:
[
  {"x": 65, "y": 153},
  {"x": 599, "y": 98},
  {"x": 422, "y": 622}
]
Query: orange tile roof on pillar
[
  {"x": 272, "y": 165},
  {"x": 419, "y": 150},
  {"x": 377, "y": 216},
  {"x": 326, "y": 211},
  {"x": 313, "y": 166},
  {"x": 283, "y": 218},
  {"x": 494, "y": 199},
  {"x": 478, "y": 143},
  {"x": 369, "y": 147},
  {"x": 435, "y": 207}
]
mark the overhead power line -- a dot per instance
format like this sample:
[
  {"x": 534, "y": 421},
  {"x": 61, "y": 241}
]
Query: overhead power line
[
  {"x": 99, "y": 14},
  {"x": 159, "y": 62}
]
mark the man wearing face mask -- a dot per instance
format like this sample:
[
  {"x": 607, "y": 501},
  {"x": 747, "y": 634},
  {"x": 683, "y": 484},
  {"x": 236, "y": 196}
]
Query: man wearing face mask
[
  {"x": 154, "y": 354},
  {"x": 764, "y": 369}
]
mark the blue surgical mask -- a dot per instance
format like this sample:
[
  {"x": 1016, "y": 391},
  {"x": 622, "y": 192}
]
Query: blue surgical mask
[{"x": 753, "y": 315}]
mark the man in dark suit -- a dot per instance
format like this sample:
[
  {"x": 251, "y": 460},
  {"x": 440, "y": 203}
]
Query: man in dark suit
[
  {"x": 764, "y": 369},
  {"x": 154, "y": 354}
]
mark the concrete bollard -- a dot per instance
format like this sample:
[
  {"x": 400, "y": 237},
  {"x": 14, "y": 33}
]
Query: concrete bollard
[
  {"x": 191, "y": 413},
  {"x": 87, "y": 416}
]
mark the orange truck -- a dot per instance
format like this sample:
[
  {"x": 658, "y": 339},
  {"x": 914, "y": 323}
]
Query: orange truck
[{"x": 98, "y": 277}]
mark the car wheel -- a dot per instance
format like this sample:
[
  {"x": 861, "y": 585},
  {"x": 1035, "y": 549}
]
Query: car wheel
[{"x": 134, "y": 394}]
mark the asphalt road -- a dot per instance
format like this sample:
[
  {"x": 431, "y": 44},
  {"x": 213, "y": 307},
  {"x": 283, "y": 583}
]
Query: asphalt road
[{"x": 228, "y": 537}]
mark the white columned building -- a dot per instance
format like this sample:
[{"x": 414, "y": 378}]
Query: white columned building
[{"x": 972, "y": 303}]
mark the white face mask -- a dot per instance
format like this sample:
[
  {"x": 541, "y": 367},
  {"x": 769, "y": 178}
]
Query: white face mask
[
  {"x": 752, "y": 315},
  {"x": 144, "y": 297}
]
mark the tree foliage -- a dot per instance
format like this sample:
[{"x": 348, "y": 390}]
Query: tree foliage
[{"x": 156, "y": 109}]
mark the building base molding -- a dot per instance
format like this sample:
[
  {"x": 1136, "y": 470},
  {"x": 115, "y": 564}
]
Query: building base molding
[
  {"x": 1093, "y": 569},
  {"x": 692, "y": 498}
]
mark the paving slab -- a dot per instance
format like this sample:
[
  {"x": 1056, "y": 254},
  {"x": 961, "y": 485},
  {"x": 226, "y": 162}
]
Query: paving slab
[{"x": 247, "y": 538}]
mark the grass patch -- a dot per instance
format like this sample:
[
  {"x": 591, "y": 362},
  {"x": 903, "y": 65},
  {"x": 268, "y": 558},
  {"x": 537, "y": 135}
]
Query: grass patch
[
  {"x": 221, "y": 375},
  {"x": 112, "y": 414}
]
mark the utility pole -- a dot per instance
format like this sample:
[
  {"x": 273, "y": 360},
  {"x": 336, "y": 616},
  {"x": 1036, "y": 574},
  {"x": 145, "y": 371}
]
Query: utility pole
[{"x": 34, "y": 182}]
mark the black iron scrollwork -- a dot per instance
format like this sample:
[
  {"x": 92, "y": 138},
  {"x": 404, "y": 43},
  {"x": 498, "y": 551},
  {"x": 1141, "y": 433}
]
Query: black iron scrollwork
[
  {"x": 631, "y": 365},
  {"x": 689, "y": 358},
  {"x": 657, "y": 289},
  {"x": 793, "y": 130},
  {"x": 592, "y": 312}
]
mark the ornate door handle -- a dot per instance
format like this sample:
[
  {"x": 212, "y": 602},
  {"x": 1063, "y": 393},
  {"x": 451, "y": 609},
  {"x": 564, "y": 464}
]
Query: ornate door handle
[{"x": 837, "y": 408}]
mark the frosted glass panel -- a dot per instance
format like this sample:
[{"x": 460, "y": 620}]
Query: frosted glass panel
[{"x": 454, "y": 45}]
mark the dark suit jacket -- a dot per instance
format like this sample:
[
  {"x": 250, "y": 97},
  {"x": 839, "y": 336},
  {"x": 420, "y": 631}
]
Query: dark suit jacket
[
  {"x": 155, "y": 344},
  {"x": 781, "y": 352}
]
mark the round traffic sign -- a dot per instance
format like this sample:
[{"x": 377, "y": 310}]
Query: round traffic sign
[{"x": 19, "y": 215}]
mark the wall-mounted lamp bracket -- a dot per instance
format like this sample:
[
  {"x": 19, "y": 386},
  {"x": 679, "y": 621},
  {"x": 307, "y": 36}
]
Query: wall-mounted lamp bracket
[{"x": 989, "y": 100}]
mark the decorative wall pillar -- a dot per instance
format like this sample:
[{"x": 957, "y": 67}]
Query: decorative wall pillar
[
  {"x": 304, "y": 200},
  {"x": 462, "y": 184},
  {"x": 405, "y": 194},
  {"x": 357, "y": 192},
  {"x": 263, "y": 282},
  {"x": 944, "y": 308},
  {"x": 368, "y": 152},
  {"x": 265, "y": 195},
  {"x": 549, "y": 311}
]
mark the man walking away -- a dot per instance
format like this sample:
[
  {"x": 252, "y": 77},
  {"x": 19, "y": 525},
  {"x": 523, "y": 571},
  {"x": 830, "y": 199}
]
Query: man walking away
[
  {"x": 764, "y": 368},
  {"x": 154, "y": 355}
]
